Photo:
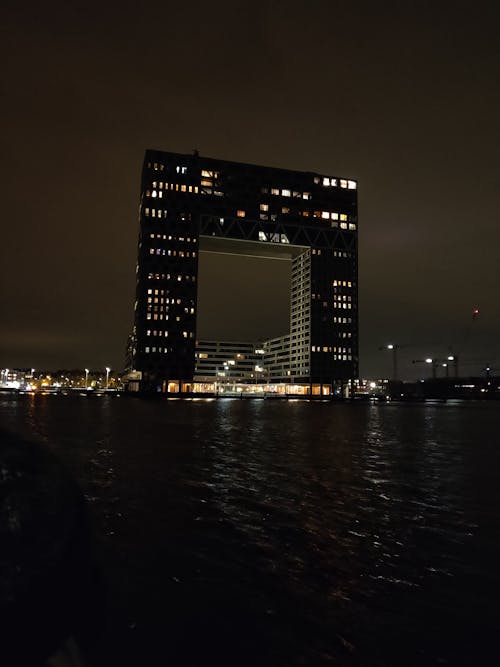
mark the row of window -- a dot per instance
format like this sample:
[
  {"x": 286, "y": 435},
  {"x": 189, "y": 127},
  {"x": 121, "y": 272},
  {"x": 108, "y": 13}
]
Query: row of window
[
  {"x": 341, "y": 283},
  {"x": 205, "y": 173},
  {"x": 158, "y": 276},
  {"x": 168, "y": 237},
  {"x": 329, "y": 348},
  {"x": 164, "y": 334},
  {"x": 280, "y": 192},
  {"x": 167, "y": 276},
  {"x": 171, "y": 253},
  {"x": 163, "y": 213},
  {"x": 333, "y": 182},
  {"x": 240, "y": 213}
]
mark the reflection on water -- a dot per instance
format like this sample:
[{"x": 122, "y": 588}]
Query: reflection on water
[{"x": 236, "y": 532}]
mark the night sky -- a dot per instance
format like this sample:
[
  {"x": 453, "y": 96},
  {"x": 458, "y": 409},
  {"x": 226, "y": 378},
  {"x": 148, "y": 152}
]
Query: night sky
[{"x": 403, "y": 96}]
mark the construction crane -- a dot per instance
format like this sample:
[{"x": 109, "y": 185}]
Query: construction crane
[{"x": 436, "y": 363}]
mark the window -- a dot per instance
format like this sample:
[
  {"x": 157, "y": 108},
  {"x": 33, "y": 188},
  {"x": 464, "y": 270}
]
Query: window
[
  {"x": 286, "y": 193},
  {"x": 264, "y": 207},
  {"x": 240, "y": 214}
]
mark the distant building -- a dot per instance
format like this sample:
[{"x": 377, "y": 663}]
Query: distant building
[{"x": 191, "y": 203}]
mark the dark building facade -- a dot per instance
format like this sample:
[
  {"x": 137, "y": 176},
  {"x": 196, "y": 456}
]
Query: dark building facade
[{"x": 190, "y": 202}]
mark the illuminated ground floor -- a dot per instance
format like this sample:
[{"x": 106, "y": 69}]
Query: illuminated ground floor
[{"x": 216, "y": 388}]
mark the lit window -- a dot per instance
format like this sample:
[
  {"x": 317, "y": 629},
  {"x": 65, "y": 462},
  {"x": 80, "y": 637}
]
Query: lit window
[
  {"x": 326, "y": 181},
  {"x": 343, "y": 225},
  {"x": 275, "y": 191},
  {"x": 306, "y": 195},
  {"x": 317, "y": 179},
  {"x": 343, "y": 216},
  {"x": 207, "y": 174},
  {"x": 264, "y": 207},
  {"x": 325, "y": 215},
  {"x": 240, "y": 214},
  {"x": 351, "y": 185},
  {"x": 343, "y": 183},
  {"x": 352, "y": 226},
  {"x": 286, "y": 193},
  {"x": 262, "y": 236}
]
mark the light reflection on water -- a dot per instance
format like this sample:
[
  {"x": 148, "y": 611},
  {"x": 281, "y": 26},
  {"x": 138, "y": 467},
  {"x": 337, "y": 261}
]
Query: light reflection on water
[{"x": 309, "y": 533}]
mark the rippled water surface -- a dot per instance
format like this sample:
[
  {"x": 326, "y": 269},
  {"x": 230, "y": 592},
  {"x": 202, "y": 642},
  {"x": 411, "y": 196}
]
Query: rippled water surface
[{"x": 286, "y": 533}]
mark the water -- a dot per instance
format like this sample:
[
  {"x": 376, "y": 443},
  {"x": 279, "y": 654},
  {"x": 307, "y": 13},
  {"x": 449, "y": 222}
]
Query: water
[{"x": 285, "y": 533}]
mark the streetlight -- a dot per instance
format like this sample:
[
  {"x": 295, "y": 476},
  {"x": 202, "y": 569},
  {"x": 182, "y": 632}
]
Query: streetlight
[
  {"x": 107, "y": 377},
  {"x": 392, "y": 347},
  {"x": 86, "y": 378}
]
